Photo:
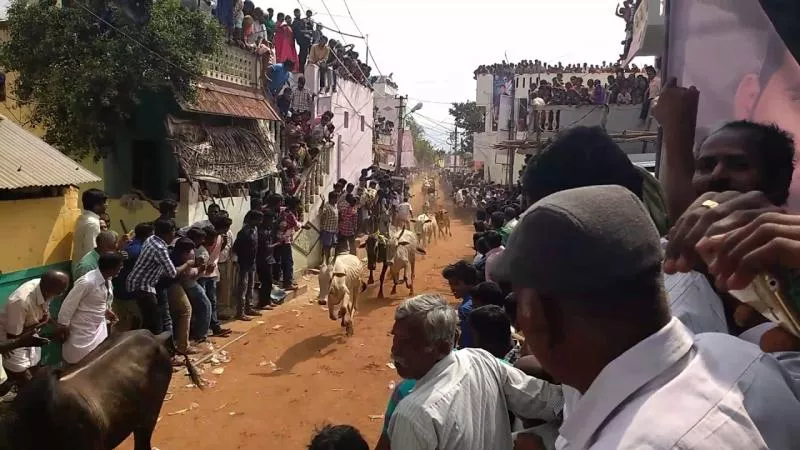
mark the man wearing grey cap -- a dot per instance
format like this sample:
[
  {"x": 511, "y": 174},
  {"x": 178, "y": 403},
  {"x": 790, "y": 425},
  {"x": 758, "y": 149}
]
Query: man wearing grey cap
[{"x": 585, "y": 265}]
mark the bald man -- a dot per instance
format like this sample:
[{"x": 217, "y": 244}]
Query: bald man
[
  {"x": 105, "y": 242},
  {"x": 27, "y": 309}
]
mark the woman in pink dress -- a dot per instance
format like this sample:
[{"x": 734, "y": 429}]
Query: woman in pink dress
[{"x": 284, "y": 43}]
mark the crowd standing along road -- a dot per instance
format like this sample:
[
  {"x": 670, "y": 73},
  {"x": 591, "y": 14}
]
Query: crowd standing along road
[{"x": 298, "y": 370}]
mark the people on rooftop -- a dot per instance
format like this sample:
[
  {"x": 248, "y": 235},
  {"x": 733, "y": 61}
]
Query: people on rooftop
[{"x": 299, "y": 39}]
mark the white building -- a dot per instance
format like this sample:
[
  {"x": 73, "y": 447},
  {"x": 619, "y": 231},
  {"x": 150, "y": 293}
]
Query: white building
[
  {"x": 387, "y": 110},
  {"x": 498, "y": 115},
  {"x": 352, "y": 106}
]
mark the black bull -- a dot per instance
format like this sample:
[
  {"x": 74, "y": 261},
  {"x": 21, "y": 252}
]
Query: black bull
[
  {"x": 118, "y": 389},
  {"x": 376, "y": 252}
]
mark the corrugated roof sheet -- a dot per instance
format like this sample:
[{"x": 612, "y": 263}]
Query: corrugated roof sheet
[
  {"x": 26, "y": 160},
  {"x": 230, "y": 100}
]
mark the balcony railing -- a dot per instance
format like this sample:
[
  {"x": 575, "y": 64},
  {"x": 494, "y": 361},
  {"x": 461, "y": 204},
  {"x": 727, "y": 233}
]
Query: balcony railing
[{"x": 234, "y": 65}]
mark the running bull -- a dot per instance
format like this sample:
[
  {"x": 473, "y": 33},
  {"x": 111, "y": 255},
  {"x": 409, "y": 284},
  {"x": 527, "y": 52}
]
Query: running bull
[
  {"x": 340, "y": 286},
  {"x": 118, "y": 389}
]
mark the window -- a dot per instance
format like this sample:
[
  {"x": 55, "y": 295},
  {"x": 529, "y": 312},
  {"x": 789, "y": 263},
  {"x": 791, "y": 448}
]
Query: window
[
  {"x": 523, "y": 82},
  {"x": 146, "y": 175},
  {"x": 346, "y": 119},
  {"x": 363, "y": 123},
  {"x": 516, "y": 83}
]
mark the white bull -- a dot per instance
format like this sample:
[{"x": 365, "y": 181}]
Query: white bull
[
  {"x": 425, "y": 227},
  {"x": 340, "y": 284},
  {"x": 401, "y": 256}
]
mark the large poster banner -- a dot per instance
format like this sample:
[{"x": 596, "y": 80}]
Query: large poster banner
[
  {"x": 500, "y": 92},
  {"x": 731, "y": 52}
]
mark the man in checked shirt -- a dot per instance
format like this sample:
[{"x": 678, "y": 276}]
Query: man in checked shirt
[
  {"x": 154, "y": 264},
  {"x": 302, "y": 97}
]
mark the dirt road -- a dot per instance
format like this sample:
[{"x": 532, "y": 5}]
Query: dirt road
[{"x": 297, "y": 371}]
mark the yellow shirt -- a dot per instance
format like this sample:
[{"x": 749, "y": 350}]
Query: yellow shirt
[{"x": 318, "y": 53}]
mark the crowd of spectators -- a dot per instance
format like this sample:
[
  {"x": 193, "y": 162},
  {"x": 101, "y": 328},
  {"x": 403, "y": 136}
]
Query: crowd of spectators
[
  {"x": 291, "y": 42},
  {"x": 536, "y": 67},
  {"x": 305, "y": 139},
  {"x": 620, "y": 89}
]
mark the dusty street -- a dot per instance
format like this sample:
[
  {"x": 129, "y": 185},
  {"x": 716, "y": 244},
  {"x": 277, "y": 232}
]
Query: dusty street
[{"x": 297, "y": 371}]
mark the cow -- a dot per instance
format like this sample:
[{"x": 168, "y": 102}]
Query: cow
[
  {"x": 340, "y": 285},
  {"x": 401, "y": 252},
  {"x": 443, "y": 220},
  {"x": 116, "y": 390},
  {"x": 425, "y": 228}
]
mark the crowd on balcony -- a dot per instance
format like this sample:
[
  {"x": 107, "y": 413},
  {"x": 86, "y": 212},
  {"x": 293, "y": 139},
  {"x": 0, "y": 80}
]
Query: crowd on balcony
[
  {"x": 537, "y": 67},
  {"x": 283, "y": 38},
  {"x": 619, "y": 89}
]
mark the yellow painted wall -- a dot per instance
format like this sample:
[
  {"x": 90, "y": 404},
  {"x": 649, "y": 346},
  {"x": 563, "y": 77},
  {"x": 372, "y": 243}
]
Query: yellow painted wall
[{"x": 37, "y": 232}]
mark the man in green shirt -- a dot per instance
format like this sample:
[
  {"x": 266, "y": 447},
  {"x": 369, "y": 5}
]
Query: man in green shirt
[{"x": 106, "y": 242}]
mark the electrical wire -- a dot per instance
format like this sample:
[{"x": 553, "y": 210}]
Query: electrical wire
[
  {"x": 441, "y": 122},
  {"x": 433, "y": 122},
  {"x": 369, "y": 55},
  {"x": 345, "y": 42},
  {"x": 110, "y": 25}
]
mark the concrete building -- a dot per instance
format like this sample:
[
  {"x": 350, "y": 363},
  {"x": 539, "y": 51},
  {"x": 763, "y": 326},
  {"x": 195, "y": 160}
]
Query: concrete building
[
  {"x": 352, "y": 106},
  {"x": 387, "y": 109},
  {"x": 510, "y": 118}
]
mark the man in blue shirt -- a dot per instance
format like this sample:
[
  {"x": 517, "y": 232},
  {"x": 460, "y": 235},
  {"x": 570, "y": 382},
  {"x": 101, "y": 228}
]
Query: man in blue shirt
[
  {"x": 278, "y": 75},
  {"x": 462, "y": 277}
]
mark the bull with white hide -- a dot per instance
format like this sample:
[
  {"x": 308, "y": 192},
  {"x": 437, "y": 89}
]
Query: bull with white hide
[
  {"x": 426, "y": 228},
  {"x": 401, "y": 252},
  {"x": 340, "y": 286}
]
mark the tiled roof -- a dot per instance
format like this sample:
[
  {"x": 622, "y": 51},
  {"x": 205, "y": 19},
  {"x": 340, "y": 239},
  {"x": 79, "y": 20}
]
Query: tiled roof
[
  {"x": 218, "y": 97},
  {"x": 26, "y": 160}
]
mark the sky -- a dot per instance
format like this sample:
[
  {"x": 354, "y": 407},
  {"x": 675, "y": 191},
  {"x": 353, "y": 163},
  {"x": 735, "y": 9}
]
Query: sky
[{"x": 432, "y": 47}]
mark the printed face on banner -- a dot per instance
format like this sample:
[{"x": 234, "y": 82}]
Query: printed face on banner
[{"x": 738, "y": 62}]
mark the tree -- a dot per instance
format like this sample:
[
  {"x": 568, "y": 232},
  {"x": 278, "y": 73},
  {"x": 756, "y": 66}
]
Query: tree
[
  {"x": 83, "y": 77},
  {"x": 470, "y": 118},
  {"x": 424, "y": 151}
]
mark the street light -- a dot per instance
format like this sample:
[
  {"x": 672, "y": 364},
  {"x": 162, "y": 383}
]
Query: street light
[{"x": 416, "y": 108}]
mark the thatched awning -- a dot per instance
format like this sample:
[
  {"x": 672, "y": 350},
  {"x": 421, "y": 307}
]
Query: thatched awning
[{"x": 223, "y": 154}]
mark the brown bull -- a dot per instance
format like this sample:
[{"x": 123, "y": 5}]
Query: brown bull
[
  {"x": 118, "y": 389},
  {"x": 443, "y": 220}
]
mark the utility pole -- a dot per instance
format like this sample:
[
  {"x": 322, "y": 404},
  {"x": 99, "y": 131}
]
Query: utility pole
[
  {"x": 512, "y": 134},
  {"x": 401, "y": 116}
]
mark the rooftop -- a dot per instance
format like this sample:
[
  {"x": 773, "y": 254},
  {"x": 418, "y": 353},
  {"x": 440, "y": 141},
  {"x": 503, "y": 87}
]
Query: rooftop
[{"x": 27, "y": 161}]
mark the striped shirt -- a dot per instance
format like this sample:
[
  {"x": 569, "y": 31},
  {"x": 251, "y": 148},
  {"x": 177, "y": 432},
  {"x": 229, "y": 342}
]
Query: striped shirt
[
  {"x": 152, "y": 265},
  {"x": 462, "y": 403}
]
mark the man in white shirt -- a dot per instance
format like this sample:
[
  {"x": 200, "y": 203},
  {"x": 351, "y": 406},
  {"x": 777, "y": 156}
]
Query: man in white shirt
[
  {"x": 462, "y": 398},
  {"x": 27, "y": 309},
  {"x": 593, "y": 311},
  {"x": 87, "y": 227},
  {"x": 86, "y": 309}
]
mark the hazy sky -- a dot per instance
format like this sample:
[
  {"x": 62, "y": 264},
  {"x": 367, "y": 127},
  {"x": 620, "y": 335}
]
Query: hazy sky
[{"x": 433, "y": 46}]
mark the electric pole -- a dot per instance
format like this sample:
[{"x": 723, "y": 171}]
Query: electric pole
[
  {"x": 455, "y": 139},
  {"x": 401, "y": 119},
  {"x": 512, "y": 134}
]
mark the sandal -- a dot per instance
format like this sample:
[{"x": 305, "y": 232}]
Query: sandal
[{"x": 222, "y": 332}]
